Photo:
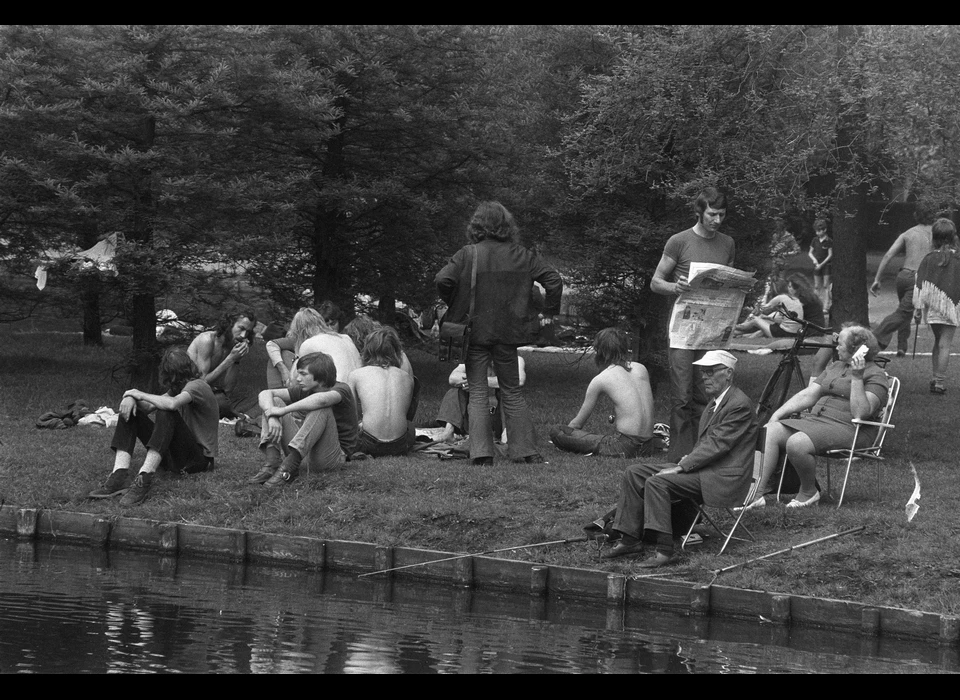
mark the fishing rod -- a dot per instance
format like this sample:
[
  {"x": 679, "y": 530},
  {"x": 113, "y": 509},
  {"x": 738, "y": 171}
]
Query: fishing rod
[
  {"x": 477, "y": 554},
  {"x": 716, "y": 572}
]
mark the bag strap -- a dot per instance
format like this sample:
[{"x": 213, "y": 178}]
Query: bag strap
[{"x": 473, "y": 280}]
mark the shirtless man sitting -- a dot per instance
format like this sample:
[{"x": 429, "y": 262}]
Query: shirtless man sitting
[
  {"x": 217, "y": 354},
  {"x": 386, "y": 397},
  {"x": 627, "y": 385}
]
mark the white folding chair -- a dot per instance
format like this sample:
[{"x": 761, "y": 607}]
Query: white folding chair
[{"x": 869, "y": 452}]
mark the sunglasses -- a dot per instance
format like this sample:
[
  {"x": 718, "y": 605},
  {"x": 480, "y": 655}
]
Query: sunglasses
[{"x": 710, "y": 371}]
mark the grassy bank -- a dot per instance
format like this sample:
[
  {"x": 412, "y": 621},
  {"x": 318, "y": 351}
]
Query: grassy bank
[{"x": 453, "y": 506}]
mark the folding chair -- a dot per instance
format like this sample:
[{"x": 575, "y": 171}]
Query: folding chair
[
  {"x": 702, "y": 514},
  {"x": 871, "y": 452}
]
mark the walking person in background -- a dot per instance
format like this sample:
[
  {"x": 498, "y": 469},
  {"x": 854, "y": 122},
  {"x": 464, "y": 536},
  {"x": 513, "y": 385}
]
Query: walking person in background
[
  {"x": 914, "y": 243},
  {"x": 937, "y": 297},
  {"x": 704, "y": 243},
  {"x": 504, "y": 318},
  {"x": 821, "y": 253}
]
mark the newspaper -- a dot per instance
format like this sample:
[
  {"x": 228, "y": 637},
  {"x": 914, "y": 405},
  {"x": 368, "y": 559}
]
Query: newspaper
[{"x": 704, "y": 317}]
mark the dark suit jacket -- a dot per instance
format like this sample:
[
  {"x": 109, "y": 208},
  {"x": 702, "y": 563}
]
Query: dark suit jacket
[{"x": 723, "y": 453}]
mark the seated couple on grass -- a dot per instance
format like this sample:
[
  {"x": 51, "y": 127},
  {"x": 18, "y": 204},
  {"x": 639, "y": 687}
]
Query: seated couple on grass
[
  {"x": 627, "y": 385},
  {"x": 182, "y": 438}
]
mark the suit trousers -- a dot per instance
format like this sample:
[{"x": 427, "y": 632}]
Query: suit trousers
[{"x": 647, "y": 501}]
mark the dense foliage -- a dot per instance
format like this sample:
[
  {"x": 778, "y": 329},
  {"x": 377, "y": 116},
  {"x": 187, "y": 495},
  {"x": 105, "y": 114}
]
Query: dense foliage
[{"x": 337, "y": 161}]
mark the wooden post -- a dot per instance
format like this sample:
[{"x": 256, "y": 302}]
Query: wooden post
[
  {"x": 700, "y": 600},
  {"x": 538, "y": 580},
  {"x": 780, "y": 609},
  {"x": 27, "y": 522},
  {"x": 616, "y": 589},
  {"x": 463, "y": 571},
  {"x": 870, "y": 622}
]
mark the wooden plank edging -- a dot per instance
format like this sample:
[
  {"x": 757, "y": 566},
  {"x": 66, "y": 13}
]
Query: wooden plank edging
[{"x": 536, "y": 579}]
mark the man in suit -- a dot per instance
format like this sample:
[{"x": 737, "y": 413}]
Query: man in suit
[{"x": 716, "y": 472}]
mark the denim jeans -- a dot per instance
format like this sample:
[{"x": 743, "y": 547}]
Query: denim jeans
[
  {"x": 519, "y": 422},
  {"x": 614, "y": 445},
  {"x": 899, "y": 321}
]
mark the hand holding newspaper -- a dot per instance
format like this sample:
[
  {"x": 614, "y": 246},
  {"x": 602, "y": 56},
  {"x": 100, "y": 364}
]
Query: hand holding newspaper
[{"x": 703, "y": 318}]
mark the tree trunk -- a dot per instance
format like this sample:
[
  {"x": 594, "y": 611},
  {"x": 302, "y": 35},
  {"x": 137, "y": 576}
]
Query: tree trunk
[
  {"x": 90, "y": 289},
  {"x": 143, "y": 317},
  {"x": 849, "y": 263}
]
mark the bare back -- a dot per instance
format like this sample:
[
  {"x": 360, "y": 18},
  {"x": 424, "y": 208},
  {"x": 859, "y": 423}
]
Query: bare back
[
  {"x": 632, "y": 398},
  {"x": 384, "y": 394},
  {"x": 917, "y": 241},
  {"x": 345, "y": 356}
]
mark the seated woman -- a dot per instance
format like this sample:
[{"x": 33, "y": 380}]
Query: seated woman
[
  {"x": 852, "y": 387},
  {"x": 453, "y": 415},
  {"x": 309, "y": 333},
  {"x": 772, "y": 322},
  {"x": 800, "y": 288}
]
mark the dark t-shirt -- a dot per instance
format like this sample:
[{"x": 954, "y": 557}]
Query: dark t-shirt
[
  {"x": 344, "y": 412},
  {"x": 687, "y": 247}
]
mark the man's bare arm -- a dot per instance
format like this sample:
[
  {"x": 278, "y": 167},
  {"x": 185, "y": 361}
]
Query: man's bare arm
[
  {"x": 594, "y": 390},
  {"x": 659, "y": 283},
  {"x": 898, "y": 247}
]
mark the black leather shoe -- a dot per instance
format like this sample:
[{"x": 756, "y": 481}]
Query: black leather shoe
[
  {"x": 623, "y": 550},
  {"x": 659, "y": 559},
  {"x": 482, "y": 461}
]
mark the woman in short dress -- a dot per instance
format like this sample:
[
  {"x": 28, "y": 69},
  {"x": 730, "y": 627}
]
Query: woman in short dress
[
  {"x": 852, "y": 387},
  {"x": 936, "y": 298}
]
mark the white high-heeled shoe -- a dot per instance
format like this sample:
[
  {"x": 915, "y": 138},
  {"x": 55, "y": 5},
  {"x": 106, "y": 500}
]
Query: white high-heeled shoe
[
  {"x": 760, "y": 502},
  {"x": 813, "y": 500}
]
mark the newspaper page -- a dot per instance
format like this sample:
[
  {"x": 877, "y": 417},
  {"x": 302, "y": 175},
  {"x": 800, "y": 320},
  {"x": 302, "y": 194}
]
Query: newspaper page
[{"x": 704, "y": 317}]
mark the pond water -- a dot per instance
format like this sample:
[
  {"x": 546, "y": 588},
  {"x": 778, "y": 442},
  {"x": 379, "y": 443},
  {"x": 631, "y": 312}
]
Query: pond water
[{"x": 73, "y": 609}]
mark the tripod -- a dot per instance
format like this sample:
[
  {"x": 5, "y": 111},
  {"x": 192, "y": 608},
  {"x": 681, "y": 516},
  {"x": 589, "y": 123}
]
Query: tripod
[{"x": 777, "y": 389}]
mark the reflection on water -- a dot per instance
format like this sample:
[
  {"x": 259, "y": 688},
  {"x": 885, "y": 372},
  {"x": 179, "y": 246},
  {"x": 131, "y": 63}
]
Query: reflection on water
[{"x": 74, "y": 609}]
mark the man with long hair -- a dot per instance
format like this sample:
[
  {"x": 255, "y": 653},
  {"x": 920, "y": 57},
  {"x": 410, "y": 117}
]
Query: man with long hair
[
  {"x": 217, "y": 354},
  {"x": 386, "y": 395},
  {"x": 627, "y": 385},
  {"x": 183, "y": 438},
  {"x": 498, "y": 303},
  {"x": 703, "y": 243}
]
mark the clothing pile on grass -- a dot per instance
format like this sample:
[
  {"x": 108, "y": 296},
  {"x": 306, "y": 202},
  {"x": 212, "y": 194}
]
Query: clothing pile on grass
[{"x": 64, "y": 418}]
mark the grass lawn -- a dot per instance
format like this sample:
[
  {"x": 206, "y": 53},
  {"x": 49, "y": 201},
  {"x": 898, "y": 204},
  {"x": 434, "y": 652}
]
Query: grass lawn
[{"x": 453, "y": 506}]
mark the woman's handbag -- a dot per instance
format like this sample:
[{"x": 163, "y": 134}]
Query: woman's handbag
[{"x": 455, "y": 337}]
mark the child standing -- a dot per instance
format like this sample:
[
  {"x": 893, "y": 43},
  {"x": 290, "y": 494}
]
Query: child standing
[{"x": 821, "y": 252}]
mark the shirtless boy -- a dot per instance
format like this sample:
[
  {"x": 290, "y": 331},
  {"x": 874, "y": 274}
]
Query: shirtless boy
[
  {"x": 914, "y": 243},
  {"x": 627, "y": 385},
  {"x": 386, "y": 397},
  {"x": 315, "y": 419},
  {"x": 217, "y": 354}
]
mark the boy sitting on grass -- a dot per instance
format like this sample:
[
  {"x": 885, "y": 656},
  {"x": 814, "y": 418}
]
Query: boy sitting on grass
[
  {"x": 316, "y": 419},
  {"x": 386, "y": 396},
  {"x": 627, "y": 385},
  {"x": 184, "y": 437}
]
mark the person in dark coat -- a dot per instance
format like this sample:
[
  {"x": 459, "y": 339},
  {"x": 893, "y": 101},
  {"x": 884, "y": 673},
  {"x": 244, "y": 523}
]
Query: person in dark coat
[
  {"x": 503, "y": 319},
  {"x": 716, "y": 472}
]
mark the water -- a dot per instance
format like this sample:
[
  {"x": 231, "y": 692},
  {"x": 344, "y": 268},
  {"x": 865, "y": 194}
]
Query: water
[{"x": 67, "y": 609}]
